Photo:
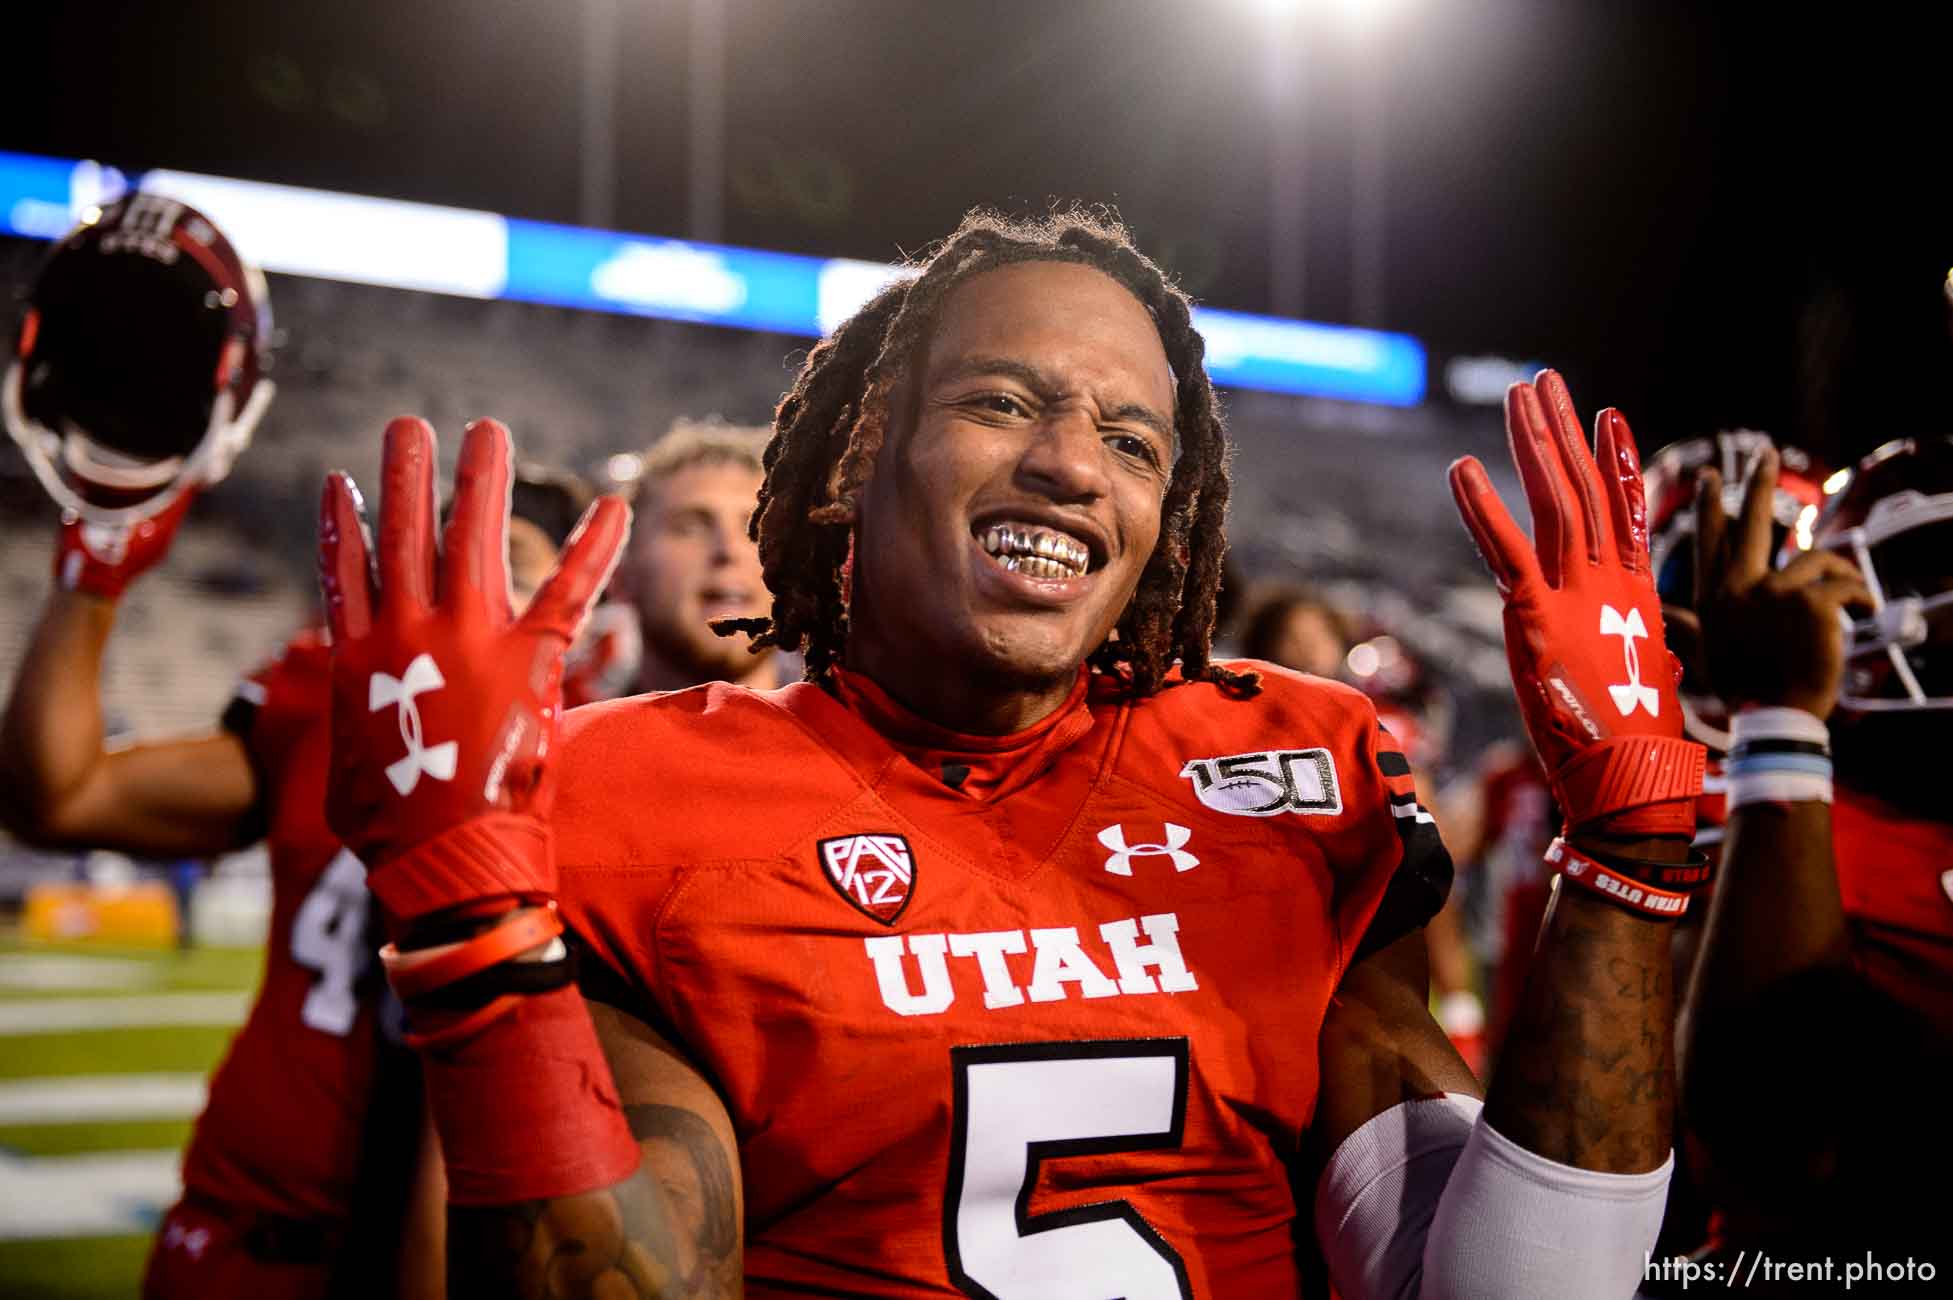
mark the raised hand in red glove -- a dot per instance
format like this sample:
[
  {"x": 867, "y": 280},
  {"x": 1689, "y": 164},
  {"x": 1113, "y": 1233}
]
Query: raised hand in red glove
[
  {"x": 102, "y": 560},
  {"x": 444, "y": 705},
  {"x": 1583, "y": 631}
]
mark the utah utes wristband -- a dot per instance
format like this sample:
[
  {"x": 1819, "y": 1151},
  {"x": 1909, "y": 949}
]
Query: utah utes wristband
[
  {"x": 1679, "y": 877},
  {"x": 1622, "y": 891}
]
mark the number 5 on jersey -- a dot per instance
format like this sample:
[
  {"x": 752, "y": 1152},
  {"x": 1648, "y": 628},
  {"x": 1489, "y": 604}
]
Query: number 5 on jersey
[{"x": 1020, "y": 1104}]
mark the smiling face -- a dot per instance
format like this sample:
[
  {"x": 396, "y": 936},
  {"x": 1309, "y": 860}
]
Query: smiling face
[
  {"x": 1016, "y": 499},
  {"x": 689, "y": 562}
]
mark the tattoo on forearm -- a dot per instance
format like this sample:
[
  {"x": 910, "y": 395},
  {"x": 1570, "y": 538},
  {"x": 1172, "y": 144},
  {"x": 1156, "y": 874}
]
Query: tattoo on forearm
[
  {"x": 670, "y": 1231},
  {"x": 1587, "y": 1073},
  {"x": 685, "y": 1153}
]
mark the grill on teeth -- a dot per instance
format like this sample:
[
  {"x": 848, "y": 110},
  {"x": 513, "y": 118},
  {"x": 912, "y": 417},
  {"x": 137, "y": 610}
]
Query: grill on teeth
[{"x": 1036, "y": 552}]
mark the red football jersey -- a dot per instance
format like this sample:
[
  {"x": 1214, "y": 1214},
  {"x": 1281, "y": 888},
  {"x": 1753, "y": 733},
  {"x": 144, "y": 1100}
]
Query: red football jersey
[
  {"x": 1030, "y": 1016},
  {"x": 1895, "y": 873},
  {"x": 282, "y": 1133}
]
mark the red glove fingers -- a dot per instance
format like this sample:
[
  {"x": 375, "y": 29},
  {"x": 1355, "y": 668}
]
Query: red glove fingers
[
  {"x": 1507, "y": 551},
  {"x": 474, "y": 575},
  {"x": 1540, "y": 473},
  {"x": 1620, "y": 471},
  {"x": 1594, "y": 534},
  {"x": 582, "y": 571},
  {"x": 407, "y": 515},
  {"x": 345, "y": 573},
  {"x": 443, "y": 708}
]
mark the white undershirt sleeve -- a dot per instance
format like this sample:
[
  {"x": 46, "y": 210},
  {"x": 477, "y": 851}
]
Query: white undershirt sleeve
[{"x": 1428, "y": 1202}]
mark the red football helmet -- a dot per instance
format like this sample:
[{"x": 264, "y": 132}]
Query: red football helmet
[
  {"x": 1668, "y": 482},
  {"x": 139, "y": 364},
  {"x": 1892, "y": 514}
]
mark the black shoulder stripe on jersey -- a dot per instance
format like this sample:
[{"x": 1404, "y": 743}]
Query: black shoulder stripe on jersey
[
  {"x": 1417, "y": 888},
  {"x": 1392, "y": 763},
  {"x": 240, "y": 719}
]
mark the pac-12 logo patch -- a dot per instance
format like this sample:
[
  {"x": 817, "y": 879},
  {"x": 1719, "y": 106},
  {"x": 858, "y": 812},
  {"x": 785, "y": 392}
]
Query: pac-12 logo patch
[
  {"x": 874, "y": 872},
  {"x": 1267, "y": 783}
]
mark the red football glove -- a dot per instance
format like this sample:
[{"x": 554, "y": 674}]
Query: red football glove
[
  {"x": 1583, "y": 633},
  {"x": 444, "y": 705},
  {"x": 104, "y": 561}
]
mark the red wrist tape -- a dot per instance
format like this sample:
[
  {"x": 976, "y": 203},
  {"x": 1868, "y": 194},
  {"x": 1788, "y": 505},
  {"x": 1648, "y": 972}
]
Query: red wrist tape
[
  {"x": 426, "y": 969},
  {"x": 498, "y": 855},
  {"x": 1634, "y": 785},
  {"x": 526, "y": 1106},
  {"x": 1623, "y": 891}
]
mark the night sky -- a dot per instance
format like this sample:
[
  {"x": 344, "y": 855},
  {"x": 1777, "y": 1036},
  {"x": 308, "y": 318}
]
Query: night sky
[{"x": 1706, "y": 215}]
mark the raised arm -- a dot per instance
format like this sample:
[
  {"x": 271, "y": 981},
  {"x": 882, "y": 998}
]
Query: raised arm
[
  {"x": 61, "y": 785},
  {"x": 1775, "y": 649},
  {"x": 1556, "y": 1186},
  {"x": 559, "y": 1149}
]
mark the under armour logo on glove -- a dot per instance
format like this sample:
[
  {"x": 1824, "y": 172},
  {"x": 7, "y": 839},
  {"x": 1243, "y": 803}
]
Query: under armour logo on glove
[
  {"x": 1175, "y": 847},
  {"x": 384, "y": 691},
  {"x": 1631, "y": 694}
]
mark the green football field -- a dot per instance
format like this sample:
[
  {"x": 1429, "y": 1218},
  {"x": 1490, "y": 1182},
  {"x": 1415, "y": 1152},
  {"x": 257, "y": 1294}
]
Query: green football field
[{"x": 103, "y": 1056}]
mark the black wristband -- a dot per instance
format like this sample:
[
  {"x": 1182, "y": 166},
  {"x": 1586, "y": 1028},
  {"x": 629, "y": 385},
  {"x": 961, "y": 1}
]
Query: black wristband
[{"x": 484, "y": 986}]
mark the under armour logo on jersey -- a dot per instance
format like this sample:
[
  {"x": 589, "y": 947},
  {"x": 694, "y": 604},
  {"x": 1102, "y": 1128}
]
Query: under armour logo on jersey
[
  {"x": 1631, "y": 694},
  {"x": 1175, "y": 847},
  {"x": 874, "y": 872},
  {"x": 383, "y": 691}
]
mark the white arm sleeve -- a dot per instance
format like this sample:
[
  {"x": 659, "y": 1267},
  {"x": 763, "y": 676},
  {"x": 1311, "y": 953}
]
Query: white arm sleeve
[{"x": 1427, "y": 1202}]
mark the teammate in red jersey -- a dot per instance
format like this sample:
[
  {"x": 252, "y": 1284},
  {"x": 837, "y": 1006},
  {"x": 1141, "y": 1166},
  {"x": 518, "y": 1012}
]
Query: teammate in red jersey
[
  {"x": 280, "y": 1196},
  {"x": 137, "y": 379},
  {"x": 1828, "y": 959},
  {"x": 1005, "y": 956}
]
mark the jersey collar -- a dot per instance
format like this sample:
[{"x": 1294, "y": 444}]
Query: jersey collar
[{"x": 981, "y": 768}]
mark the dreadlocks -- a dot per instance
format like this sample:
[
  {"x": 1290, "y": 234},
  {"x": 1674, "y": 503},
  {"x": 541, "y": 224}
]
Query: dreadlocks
[{"x": 831, "y": 424}]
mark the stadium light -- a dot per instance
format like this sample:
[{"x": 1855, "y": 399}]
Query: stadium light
[{"x": 1363, "y": 17}]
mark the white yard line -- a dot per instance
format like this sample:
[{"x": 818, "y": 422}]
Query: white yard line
[
  {"x": 100, "y": 1098},
  {"x": 56, "y": 1015},
  {"x": 24, "y": 970},
  {"x": 103, "y": 1194}
]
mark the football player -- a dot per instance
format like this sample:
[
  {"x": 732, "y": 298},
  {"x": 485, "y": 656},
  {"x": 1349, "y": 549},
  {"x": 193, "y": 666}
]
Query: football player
[
  {"x": 1828, "y": 957},
  {"x": 275, "y": 1194},
  {"x": 690, "y": 561},
  {"x": 278, "y": 1197},
  {"x": 1022, "y": 950}
]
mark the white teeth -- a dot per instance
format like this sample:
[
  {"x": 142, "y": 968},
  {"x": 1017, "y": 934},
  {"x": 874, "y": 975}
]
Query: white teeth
[{"x": 1036, "y": 551}]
